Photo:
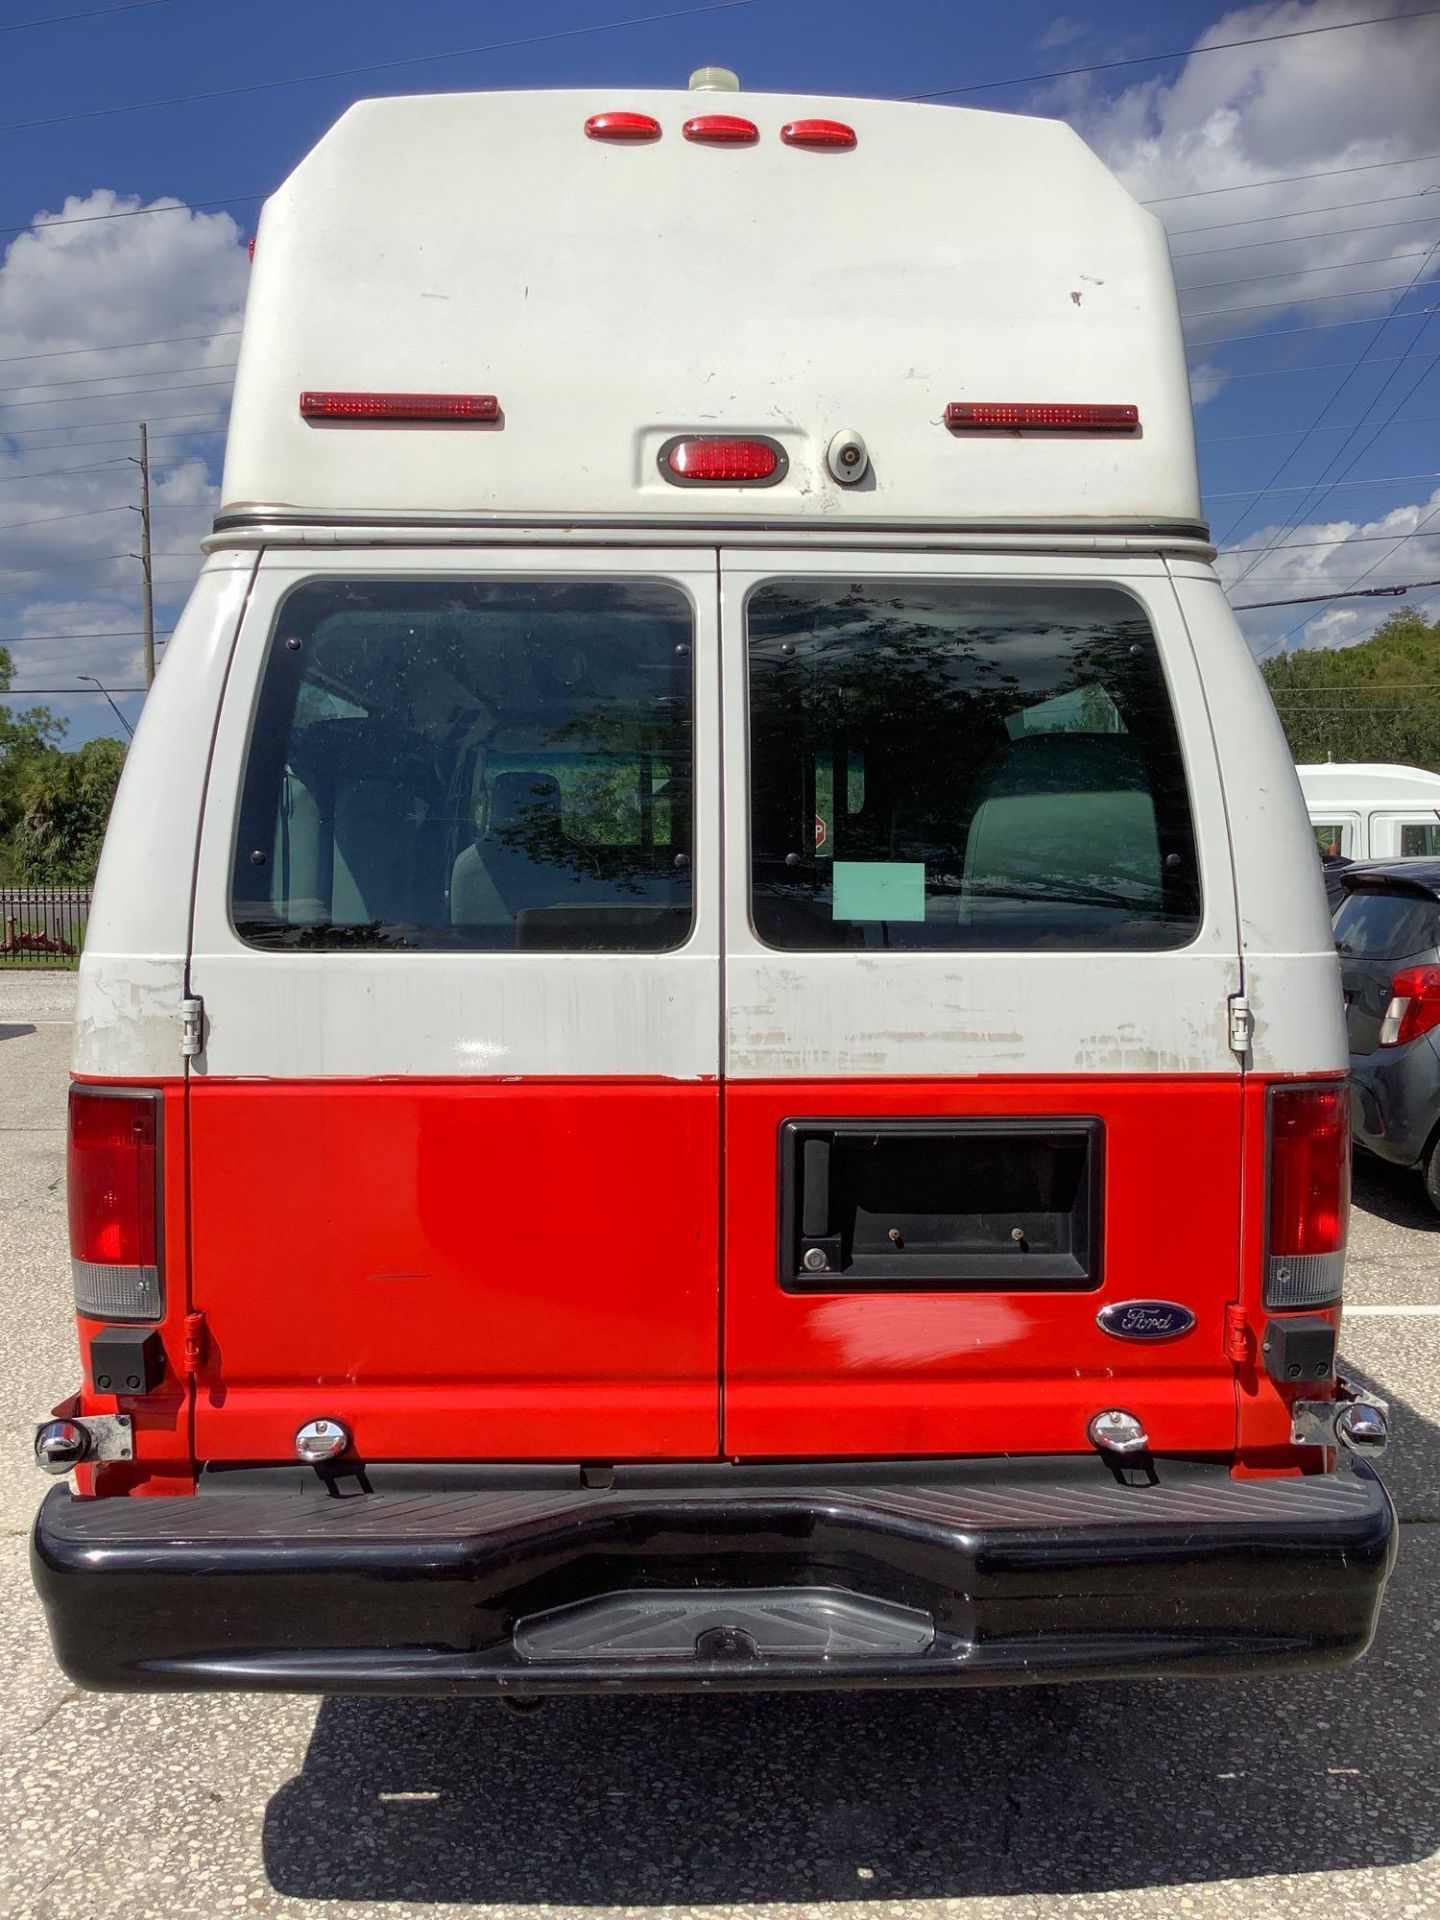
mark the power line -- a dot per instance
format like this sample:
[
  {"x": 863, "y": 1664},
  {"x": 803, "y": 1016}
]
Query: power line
[
  {"x": 1340, "y": 540},
  {"x": 1294, "y": 273},
  {"x": 89, "y": 13},
  {"x": 111, "y": 633},
  {"x": 120, "y": 346},
  {"x": 39, "y": 225},
  {"x": 130, "y": 393},
  {"x": 1186, "y": 53},
  {"x": 384, "y": 66},
  {"x": 1287, "y": 179},
  {"x": 1176, "y": 233},
  {"x": 53, "y": 473},
  {"x": 1353, "y": 593},
  {"x": 1299, "y": 239},
  {"x": 26, "y": 693},
  {"x": 1320, "y": 326},
  {"x": 1298, "y": 300},
  {"x": 1375, "y": 480},
  {"x": 1318, "y": 366},
  {"x": 83, "y": 426},
  {"x": 55, "y": 519},
  {"x": 1271, "y": 433},
  {"x": 89, "y": 379}
]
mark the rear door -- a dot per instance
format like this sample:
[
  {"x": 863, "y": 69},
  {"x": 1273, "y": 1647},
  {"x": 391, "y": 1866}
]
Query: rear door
[
  {"x": 980, "y": 940},
  {"x": 454, "y": 1132}
]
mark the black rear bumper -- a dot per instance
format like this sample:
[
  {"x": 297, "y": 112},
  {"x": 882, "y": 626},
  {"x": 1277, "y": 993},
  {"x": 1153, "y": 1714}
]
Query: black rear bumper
[{"x": 951, "y": 1575}]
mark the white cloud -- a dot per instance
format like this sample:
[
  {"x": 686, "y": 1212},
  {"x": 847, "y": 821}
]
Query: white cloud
[
  {"x": 1328, "y": 556},
  {"x": 1229, "y": 118},
  {"x": 1206, "y": 380},
  {"x": 68, "y": 292},
  {"x": 1061, "y": 32}
]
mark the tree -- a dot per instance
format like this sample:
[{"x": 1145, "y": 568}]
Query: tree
[
  {"x": 1376, "y": 701},
  {"x": 53, "y": 805}
]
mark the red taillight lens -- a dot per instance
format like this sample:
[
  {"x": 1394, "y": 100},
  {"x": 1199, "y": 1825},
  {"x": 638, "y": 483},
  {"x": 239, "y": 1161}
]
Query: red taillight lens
[
  {"x": 721, "y": 130},
  {"x": 622, "y": 126},
  {"x": 1309, "y": 1195},
  {"x": 1035, "y": 416},
  {"x": 817, "y": 133},
  {"x": 113, "y": 1178},
  {"x": 400, "y": 406},
  {"x": 1414, "y": 1006},
  {"x": 713, "y": 461}
]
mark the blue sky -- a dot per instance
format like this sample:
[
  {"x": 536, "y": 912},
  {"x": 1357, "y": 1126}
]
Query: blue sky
[{"x": 1317, "y": 415}]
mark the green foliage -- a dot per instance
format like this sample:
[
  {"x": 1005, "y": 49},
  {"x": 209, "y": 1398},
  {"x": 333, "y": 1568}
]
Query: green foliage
[
  {"x": 1376, "y": 701},
  {"x": 53, "y": 805}
]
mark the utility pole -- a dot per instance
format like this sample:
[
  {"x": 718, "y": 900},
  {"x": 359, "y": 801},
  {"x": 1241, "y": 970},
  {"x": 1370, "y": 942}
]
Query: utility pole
[{"x": 147, "y": 587}]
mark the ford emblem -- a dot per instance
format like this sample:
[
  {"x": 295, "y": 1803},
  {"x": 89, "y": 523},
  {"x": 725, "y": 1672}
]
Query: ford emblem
[{"x": 1146, "y": 1319}]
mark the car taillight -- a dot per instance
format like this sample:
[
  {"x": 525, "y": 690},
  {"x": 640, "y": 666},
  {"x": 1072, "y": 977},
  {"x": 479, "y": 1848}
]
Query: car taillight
[
  {"x": 1309, "y": 1195},
  {"x": 113, "y": 1176},
  {"x": 1414, "y": 1006},
  {"x": 722, "y": 460}
]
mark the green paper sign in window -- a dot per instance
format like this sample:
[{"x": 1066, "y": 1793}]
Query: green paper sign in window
[{"x": 879, "y": 890}]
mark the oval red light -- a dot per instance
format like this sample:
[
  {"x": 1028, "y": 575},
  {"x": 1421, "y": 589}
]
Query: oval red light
[
  {"x": 817, "y": 133},
  {"x": 622, "y": 126},
  {"x": 721, "y": 130},
  {"x": 716, "y": 462}
]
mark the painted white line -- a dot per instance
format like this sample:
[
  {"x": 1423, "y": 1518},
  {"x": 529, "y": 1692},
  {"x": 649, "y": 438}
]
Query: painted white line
[{"x": 1392, "y": 1313}]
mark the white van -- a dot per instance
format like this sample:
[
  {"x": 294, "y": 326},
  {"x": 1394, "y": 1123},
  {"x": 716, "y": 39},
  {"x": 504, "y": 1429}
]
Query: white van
[
  {"x": 1366, "y": 811},
  {"x": 709, "y": 1054}
]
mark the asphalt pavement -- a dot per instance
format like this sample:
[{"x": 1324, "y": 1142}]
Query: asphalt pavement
[{"x": 1276, "y": 1797}]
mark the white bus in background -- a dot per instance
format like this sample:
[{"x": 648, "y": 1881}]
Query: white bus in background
[{"x": 1366, "y": 811}]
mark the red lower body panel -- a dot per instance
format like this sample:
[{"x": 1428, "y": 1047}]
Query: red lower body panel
[
  {"x": 987, "y": 1372},
  {"x": 457, "y": 1271}
]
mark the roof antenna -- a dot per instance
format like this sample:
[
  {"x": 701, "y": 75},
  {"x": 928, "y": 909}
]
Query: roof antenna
[{"x": 714, "y": 80}]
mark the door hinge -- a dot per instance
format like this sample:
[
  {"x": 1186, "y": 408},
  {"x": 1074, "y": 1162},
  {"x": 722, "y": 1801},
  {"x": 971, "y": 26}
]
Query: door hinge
[
  {"x": 1242, "y": 1024},
  {"x": 192, "y": 1028},
  {"x": 1237, "y": 1334},
  {"x": 197, "y": 1339}
]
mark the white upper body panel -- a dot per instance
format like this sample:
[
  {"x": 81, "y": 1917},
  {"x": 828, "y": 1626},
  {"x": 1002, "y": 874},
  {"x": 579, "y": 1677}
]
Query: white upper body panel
[
  {"x": 1362, "y": 783},
  {"x": 612, "y": 297}
]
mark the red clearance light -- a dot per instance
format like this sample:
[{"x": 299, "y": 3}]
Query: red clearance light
[
  {"x": 721, "y": 130},
  {"x": 722, "y": 462},
  {"x": 1309, "y": 1194},
  {"x": 1035, "y": 416},
  {"x": 817, "y": 133},
  {"x": 622, "y": 126},
  {"x": 1414, "y": 1006},
  {"x": 400, "y": 406},
  {"x": 112, "y": 1180}
]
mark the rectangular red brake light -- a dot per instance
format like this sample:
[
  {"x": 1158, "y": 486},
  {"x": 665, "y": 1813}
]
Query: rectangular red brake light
[
  {"x": 443, "y": 407},
  {"x": 1040, "y": 416}
]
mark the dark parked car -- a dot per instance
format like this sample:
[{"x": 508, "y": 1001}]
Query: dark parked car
[{"x": 1387, "y": 930}]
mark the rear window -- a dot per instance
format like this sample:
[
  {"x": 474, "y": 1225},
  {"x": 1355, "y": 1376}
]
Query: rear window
[
  {"x": 470, "y": 764},
  {"x": 1385, "y": 926},
  {"x": 955, "y": 765}
]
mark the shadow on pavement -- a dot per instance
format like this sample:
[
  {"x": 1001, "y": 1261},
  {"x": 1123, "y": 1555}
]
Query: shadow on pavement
[
  {"x": 803, "y": 1798},
  {"x": 1394, "y": 1194},
  {"x": 14, "y": 1032}
]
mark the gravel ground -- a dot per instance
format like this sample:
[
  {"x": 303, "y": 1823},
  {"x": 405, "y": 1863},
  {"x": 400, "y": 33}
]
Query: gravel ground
[{"x": 1264, "y": 1798}]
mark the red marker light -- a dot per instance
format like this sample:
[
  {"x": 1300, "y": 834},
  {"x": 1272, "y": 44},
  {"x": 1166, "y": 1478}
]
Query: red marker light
[
  {"x": 622, "y": 126},
  {"x": 721, "y": 130},
  {"x": 1035, "y": 416},
  {"x": 817, "y": 133},
  {"x": 361, "y": 407},
  {"x": 722, "y": 462}
]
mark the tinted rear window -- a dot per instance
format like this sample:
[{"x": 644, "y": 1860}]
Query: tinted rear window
[
  {"x": 955, "y": 765},
  {"x": 471, "y": 764},
  {"x": 1385, "y": 926}
]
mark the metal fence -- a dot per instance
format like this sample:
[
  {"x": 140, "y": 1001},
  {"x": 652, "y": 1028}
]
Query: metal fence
[{"x": 42, "y": 926}]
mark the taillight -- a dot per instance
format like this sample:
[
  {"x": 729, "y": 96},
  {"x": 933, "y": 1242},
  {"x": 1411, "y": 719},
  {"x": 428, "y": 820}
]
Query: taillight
[
  {"x": 721, "y": 130},
  {"x": 442, "y": 407},
  {"x": 817, "y": 133},
  {"x": 1037, "y": 416},
  {"x": 1309, "y": 1195},
  {"x": 715, "y": 460},
  {"x": 1414, "y": 1006},
  {"x": 113, "y": 1176},
  {"x": 622, "y": 126}
]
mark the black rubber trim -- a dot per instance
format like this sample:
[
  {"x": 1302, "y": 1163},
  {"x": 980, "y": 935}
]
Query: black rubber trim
[
  {"x": 243, "y": 519},
  {"x": 424, "y": 1591}
]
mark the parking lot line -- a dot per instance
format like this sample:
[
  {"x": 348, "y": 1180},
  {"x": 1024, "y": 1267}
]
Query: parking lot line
[{"x": 1431, "y": 1312}]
